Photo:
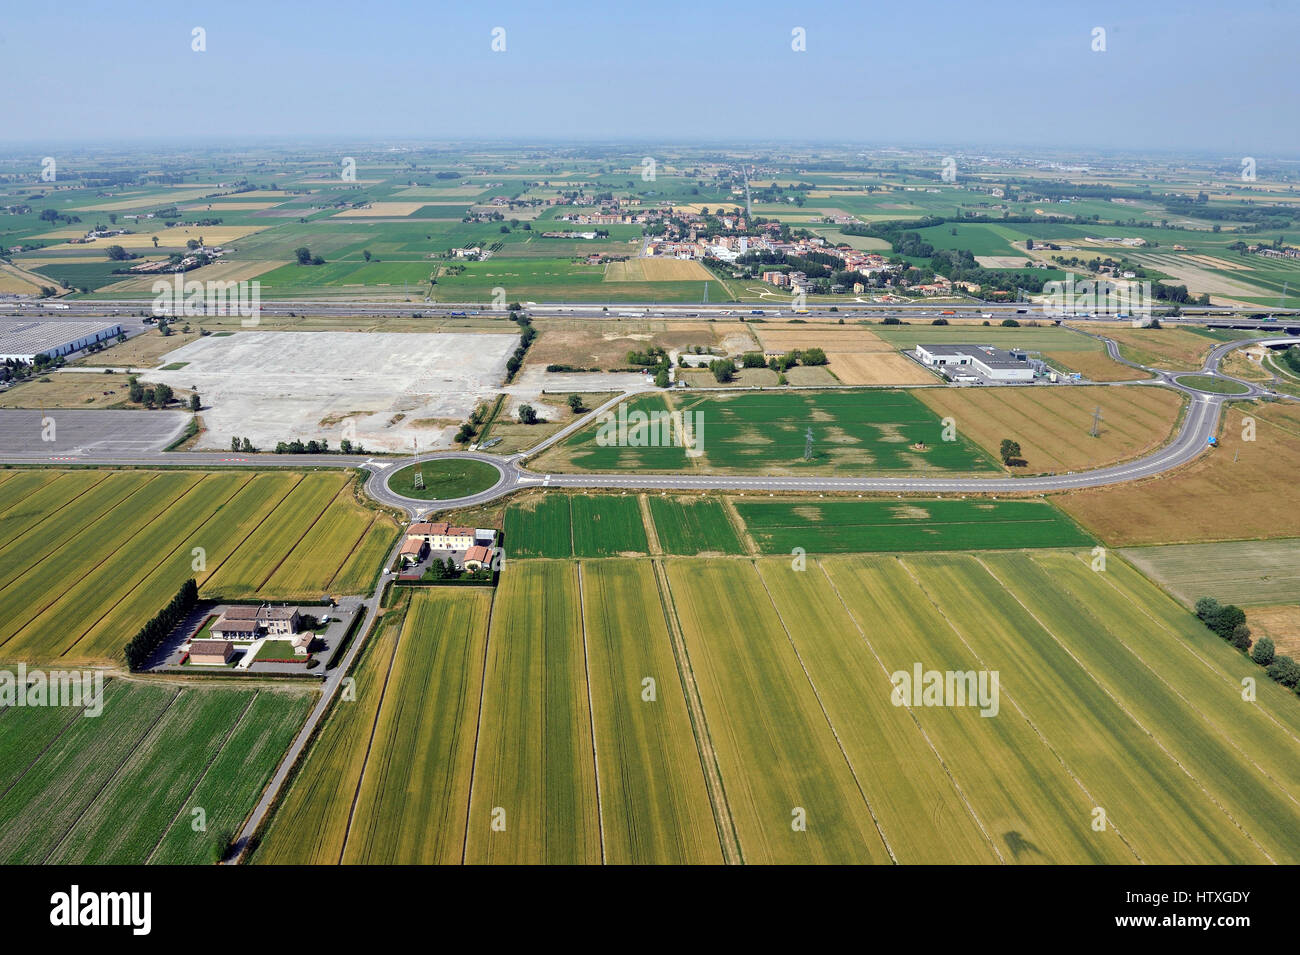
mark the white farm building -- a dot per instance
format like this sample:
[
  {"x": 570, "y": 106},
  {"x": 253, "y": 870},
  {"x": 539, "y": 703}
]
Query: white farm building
[{"x": 991, "y": 363}]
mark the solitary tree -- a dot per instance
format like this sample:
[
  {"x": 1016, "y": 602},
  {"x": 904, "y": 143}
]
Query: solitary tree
[
  {"x": 575, "y": 403},
  {"x": 527, "y": 414},
  {"x": 194, "y": 402},
  {"x": 1010, "y": 451}
]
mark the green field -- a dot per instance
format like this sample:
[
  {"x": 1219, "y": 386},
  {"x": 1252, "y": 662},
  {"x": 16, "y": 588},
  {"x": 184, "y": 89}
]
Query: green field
[
  {"x": 853, "y": 432},
  {"x": 539, "y": 527},
  {"x": 141, "y": 534},
  {"x": 607, "y": 526},
  {"x": 73, "y": 784},
  {"x": 689, "y": 526},
  {"x": 843, "y": 527},
  {"x": 654, "y": 806},
  {"x": 444, "y": 478},
  {"x": 588, "y": 450}
]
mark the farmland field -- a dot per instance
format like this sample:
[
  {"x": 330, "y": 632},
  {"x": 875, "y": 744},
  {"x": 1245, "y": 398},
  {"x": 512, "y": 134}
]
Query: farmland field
[
  {"x": 865, "y": 431},
  {"x": 1227, "y": 493},
  {"x": 830, "y": 527},
  {"x": 1246, "y": 573},
  {"x": 220, "y": 528},
  {"x": 1112, "y": 697},
  {"x": 310, "y": 823},
  {"x": 534, "y": 796},
  {"x": 414, "y": 794},
  {"x": 607, "y": 526},
  {"x": 587, "y": 450},
  {"x": 780, "y": 760},
  {"x": 693, "y": 525},
  {"x": 73, "y": 784},
  {"x": 654, "y": 806},
  {"x": 992, "y": 760},
  {"x": 1053, "y": 425},
  {"x": 539, "y": 527},
  {"x": 1120, "y": 757}
]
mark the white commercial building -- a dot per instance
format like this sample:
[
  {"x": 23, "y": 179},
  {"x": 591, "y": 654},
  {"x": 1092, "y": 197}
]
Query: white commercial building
[
  {"x": 23, "y": 341},
  {"x": 992, "y": 363}
]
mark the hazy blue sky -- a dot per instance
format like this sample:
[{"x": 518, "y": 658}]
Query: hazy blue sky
[{"x": 1216, "y": 76}]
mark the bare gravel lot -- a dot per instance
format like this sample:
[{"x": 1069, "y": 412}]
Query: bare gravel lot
[{"x": 383, "y": 389}]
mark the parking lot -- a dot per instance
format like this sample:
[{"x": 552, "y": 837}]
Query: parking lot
[{"x": 41, "y": 435}]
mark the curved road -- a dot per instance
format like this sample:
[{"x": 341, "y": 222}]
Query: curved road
[{"x": 1199, "y": 424}]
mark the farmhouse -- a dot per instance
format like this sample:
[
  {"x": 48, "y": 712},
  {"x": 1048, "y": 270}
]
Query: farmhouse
[
  {"x": 211, "y": 652},
  {"x": 439, "y": 535},
  {"x": 992, "y": 363},
  {"x": 249, "y": 623},
  {"x": 478, "y": 557},
  {"x": 24, "y": 341}
]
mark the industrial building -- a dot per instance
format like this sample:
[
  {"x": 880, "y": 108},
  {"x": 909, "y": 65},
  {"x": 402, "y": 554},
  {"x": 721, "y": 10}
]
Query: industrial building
[
  {"x": 23, "y": 341},
  {"x": 971, "y": 361}
]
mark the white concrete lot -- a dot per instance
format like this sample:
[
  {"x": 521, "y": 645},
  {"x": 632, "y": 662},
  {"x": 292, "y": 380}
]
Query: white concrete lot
[{"x": 383, "y": 389}]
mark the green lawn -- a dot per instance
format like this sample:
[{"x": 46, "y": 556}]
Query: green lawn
[
  {"x": 277, "y": 650},
  {"x": 1220, "y": 386},
  {"x": 444, "y": 478}
]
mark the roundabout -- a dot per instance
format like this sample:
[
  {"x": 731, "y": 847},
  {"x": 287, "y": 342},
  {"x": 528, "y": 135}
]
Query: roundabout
[
  {"x": 443, "y": 479},
  {"x": 1213, "y": 384}
]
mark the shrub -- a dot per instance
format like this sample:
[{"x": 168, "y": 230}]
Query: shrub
[
  {"x": 1285, "y": 670},
  {"x": 1264, "y": 652}
]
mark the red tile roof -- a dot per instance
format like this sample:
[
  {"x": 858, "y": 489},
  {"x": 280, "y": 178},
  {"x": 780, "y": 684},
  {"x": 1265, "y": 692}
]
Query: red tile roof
[{"x": 438, "y": 528}]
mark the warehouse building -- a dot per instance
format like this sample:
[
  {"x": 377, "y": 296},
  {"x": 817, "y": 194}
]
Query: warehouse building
[
  {"x": 961, "y": 361},
  {"x": 23, "y": 341}
]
